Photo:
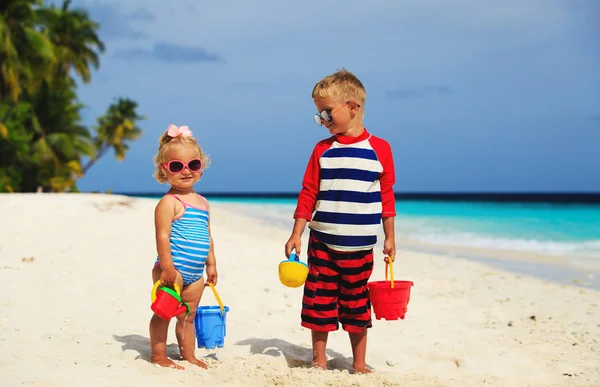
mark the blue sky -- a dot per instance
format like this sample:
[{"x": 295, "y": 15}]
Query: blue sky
[{"x": 472, "y": 95}]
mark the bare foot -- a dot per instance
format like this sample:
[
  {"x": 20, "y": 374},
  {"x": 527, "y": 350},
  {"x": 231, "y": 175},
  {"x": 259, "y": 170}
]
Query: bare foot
[
  {"x": 362, "y": 370},
  {"x": 166, "y": 362},
  {"x": 199, "y": 363},
  {"x": 319, "y": 364}
]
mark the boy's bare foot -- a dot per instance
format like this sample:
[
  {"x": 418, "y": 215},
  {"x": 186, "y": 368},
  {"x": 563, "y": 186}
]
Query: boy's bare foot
[
  {"x": 319, "y": 364},
  {"x": 166, "y": 362},
  {"x": 199, "y": 363}
]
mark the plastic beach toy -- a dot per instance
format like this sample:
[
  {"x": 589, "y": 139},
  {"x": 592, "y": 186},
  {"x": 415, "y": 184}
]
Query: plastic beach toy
[
  {"x": 293, "y": 272},
  {"x": 390, "y": 298},
  {"x": 210, "y": 323},
  {"x": 166, "y": 302}
]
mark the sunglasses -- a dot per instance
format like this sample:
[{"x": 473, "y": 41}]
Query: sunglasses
[
  {"x": 176, "y": 166},
  {"x": 327, "y": 114}
]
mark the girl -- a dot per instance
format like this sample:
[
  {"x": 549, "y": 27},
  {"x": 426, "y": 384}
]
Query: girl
[{"x": 183, "y": 240}]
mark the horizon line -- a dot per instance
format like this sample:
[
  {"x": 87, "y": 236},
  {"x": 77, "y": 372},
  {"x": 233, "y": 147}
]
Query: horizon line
[{"x": 547, "y": 197}]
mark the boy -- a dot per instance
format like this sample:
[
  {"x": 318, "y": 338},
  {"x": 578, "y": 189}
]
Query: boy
[{"x": 348, "y": 184}]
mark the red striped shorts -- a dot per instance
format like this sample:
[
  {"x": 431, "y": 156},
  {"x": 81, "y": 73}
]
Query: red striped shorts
[{"x": 336, "y": 289}]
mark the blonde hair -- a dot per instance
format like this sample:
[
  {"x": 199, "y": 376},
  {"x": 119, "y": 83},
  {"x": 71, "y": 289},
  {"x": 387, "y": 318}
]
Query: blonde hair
[
  {"x": 341, "y": 85},
  {"x": 167, "y": 142}
]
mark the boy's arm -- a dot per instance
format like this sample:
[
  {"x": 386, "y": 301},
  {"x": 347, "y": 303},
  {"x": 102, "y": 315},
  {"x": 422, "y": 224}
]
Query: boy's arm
[
  {"x": 295, "y": 242},
  {"x": 387, "y": 179},
  {"x": 389, "y": 244},
  {"x": 310, "y": 187},
  {"x": 299, "y": 225},
  {"x": 307, "y": 200}
]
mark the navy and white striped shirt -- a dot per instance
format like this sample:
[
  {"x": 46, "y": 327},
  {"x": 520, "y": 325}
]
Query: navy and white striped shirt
[{"x": 348, "y": 185}]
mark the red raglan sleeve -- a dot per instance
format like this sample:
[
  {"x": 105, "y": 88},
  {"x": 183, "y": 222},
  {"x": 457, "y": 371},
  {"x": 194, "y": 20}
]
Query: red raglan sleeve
[
  {"x": 310, "y": 186},
  {"x": 387, "y": 178}
]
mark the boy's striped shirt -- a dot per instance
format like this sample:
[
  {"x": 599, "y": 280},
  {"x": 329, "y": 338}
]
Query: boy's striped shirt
[{"x": 348, "y": 185}]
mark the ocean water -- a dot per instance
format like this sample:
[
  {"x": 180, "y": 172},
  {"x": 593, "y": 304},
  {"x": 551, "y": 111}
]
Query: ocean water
[
  {"x": 569, "y": 234},
  {"x": 567, "y": 230}
]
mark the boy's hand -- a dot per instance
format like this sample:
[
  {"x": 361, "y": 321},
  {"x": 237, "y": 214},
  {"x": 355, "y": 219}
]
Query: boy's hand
[
  {"x": 211, "y": 275},
  {"x": 168, "y": 277},
  {"x": 294, "y": 243},
  {"x": 389, "y": 250}
]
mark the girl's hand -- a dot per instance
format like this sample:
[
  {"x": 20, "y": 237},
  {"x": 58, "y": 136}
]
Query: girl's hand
[
  {"x": 168, "y": 277},
  {"x": 211, "y": 275}
]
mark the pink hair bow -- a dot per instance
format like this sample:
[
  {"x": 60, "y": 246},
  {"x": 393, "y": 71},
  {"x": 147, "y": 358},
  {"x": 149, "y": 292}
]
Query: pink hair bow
[{"x": 176, "y": 131}]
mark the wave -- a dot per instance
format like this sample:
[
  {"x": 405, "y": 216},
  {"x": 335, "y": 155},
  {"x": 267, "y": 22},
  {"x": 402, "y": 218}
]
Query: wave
[
  {"x": 562, "y": 248},
  {"x": 489, "y": 232},
  {"x": 513, "y": 236}
]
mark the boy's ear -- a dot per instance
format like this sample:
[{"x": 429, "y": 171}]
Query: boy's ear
[{"x": 353, "y": 105}]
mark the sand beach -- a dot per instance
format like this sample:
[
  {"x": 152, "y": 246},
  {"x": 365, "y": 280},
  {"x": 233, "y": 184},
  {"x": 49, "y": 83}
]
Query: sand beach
[{"x": 75, "y": 271}]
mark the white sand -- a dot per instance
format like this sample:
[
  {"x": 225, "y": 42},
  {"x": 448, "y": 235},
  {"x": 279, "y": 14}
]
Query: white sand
[{"x": 75, "y": 306}]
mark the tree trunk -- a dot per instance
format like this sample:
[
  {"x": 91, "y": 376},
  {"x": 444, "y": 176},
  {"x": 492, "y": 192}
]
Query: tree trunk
[{"x": 92, "y": 161}]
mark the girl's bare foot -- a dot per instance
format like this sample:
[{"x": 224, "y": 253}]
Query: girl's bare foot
[
  {"x": 199, "y": 363},
  {"x": 166, "y": 362},
  {"x": 362, "y": 370}
]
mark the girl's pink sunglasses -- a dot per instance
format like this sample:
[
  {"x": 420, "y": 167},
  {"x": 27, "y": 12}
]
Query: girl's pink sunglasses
[{"x": 177, "y": 166}]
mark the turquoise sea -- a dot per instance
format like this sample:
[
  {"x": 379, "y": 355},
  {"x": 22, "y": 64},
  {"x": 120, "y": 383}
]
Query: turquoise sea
[
  {"x": 569, "y": 232},
  {"x": 555, "y": 229}
]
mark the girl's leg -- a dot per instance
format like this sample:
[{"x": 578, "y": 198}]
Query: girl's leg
[
  {"x": 159, "y": 329},
  {"x": 186, "y": 334}
]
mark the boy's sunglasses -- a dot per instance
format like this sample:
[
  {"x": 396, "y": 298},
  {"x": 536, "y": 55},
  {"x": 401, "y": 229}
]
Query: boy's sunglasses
[
  {"x": 327, "y": 114},
  {"x": 176, "y": 166}
]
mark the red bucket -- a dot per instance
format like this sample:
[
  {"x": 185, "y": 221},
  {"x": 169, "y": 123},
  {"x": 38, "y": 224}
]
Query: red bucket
[{"x": 389, "y": 298}]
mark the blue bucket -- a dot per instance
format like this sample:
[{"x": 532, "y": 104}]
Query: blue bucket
[{"x": 210, "y": 324}]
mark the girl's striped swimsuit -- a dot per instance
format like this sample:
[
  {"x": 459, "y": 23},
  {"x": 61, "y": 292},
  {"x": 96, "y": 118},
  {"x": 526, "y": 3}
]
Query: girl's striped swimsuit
[{"x": 190, "y": 242}]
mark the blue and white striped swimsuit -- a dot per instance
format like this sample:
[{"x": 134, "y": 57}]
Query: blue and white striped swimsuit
[{"x": 190, "y": 242}]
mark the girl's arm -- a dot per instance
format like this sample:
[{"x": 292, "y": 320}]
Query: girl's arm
[
  {"x": 211, "y": 260},
  {"x": 163, "y": 218}
]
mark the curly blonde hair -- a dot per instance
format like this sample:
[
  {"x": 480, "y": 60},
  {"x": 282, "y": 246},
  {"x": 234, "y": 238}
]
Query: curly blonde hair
[
  {"x": 167, "y": 142},
  {"x": 341, "y": 85}
]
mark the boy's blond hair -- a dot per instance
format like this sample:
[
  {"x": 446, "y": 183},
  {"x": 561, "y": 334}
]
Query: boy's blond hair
[
  {"x": 165, "y": 143},
  {"x": 342, "y": 85}
]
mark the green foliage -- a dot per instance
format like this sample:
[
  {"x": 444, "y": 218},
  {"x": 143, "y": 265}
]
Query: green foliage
[
  {"x": 114, "y": 128},
  {"x": 42, "y": 139},
  {"x": 15, "y": 157}
]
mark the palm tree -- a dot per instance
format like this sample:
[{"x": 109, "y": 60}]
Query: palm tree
[
  {"x": 39, "y": 48},
  {"x": 115, "y": 129},
  {"x": 61, "y": 140},
  {"x": 75, "y": 39},
  {"x": 26, "y": 54}
]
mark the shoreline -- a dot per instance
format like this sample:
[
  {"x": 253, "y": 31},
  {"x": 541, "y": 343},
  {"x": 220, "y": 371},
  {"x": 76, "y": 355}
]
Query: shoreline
[
  {"x": 560, "y": 273},
  {"x": 560, "y": 269}
]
